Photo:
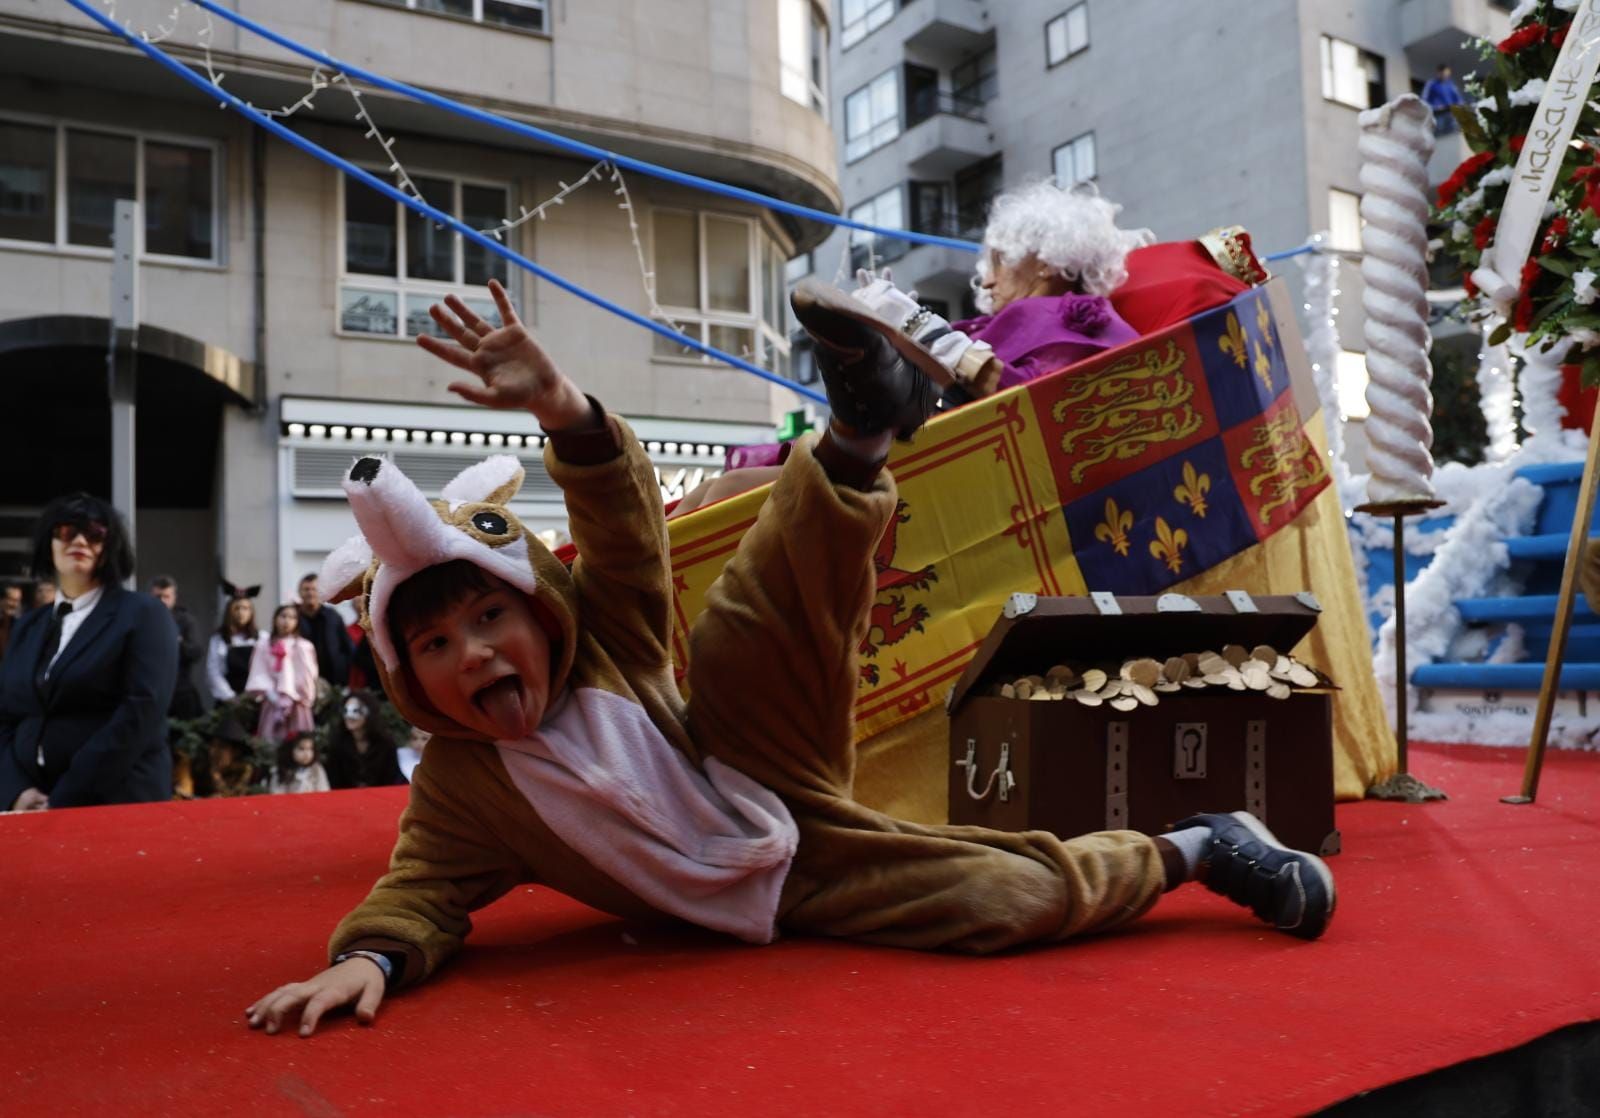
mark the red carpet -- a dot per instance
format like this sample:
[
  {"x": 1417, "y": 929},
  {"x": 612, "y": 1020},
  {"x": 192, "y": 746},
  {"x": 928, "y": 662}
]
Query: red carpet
[{"x": 135, "y": 937}]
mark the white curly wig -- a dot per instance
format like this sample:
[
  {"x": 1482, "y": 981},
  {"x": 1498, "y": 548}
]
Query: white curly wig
[{"x": 1072, "y": 232}]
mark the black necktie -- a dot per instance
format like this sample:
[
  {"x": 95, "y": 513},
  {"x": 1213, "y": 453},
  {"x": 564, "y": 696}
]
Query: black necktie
[{"x": 52, "y": 641}]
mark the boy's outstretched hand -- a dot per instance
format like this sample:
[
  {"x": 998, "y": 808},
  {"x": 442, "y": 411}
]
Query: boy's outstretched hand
[
  {"x": 354, "y": 980},
  {"x": 512, "y": 370}
]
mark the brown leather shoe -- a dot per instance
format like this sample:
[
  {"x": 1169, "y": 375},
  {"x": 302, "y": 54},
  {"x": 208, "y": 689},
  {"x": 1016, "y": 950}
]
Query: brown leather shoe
[{"x": 877, "y": 378}]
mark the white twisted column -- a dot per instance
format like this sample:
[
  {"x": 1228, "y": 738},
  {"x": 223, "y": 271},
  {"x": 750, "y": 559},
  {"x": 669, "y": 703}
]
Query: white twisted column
[{"x": 1396, "y": 141}]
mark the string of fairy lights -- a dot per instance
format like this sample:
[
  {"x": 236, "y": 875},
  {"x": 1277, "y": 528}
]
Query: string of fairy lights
[{"x": 320, "y": 81}]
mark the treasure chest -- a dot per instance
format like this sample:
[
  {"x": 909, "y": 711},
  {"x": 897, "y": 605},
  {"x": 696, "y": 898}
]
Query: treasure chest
[{"x": 1097, "y": 713}]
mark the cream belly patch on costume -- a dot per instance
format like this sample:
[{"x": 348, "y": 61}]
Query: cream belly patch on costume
[{"x": 710, "y": 847}]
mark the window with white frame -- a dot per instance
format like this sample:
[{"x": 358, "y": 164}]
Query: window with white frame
[
  {"x": 720, "y": 280},
  {"x": 859, "y": 18},
  {"x": 1352, "y": 76},
  {"x": 60, "y": 183},
  {"x": 872, "y": 115},
  {"x": 520, "y": 15},
  {"x": 803, "y": 54},
  {"x": 886, "y": 210},
  {"x": 1344, "y": 220},
  {"x": 1066, "y": 35},
  {"x": 395, "y": 262},
  {"x": 1073, "y": 162}
]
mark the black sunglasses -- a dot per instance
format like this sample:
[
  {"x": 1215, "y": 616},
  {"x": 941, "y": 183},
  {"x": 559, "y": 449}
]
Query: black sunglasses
[{"x": 92, "y": 530}]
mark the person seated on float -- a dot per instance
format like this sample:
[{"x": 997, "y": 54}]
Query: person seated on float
[{"x": 1050, "y": 261}]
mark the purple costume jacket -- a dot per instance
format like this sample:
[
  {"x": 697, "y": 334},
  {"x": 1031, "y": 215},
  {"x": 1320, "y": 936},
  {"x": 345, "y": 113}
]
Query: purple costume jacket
[{"x": 1045, "y": 333}]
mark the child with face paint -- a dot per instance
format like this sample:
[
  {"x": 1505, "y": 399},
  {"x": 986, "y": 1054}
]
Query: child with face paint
[
  {"x": 361, "y": 752},
  {"x": 283, "y": 674},
  {"x": 298, "y": 769}
]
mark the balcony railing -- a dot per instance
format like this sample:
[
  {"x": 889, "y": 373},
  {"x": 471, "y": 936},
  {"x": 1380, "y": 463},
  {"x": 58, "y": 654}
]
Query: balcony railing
[
  {"x": 966, "y": 225},
  {"x": 923, "y": 104}
]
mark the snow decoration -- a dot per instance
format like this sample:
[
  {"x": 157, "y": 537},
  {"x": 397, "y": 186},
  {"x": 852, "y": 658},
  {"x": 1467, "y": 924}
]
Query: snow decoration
[
  {"x": 1322, "y": 345},
  {"x": 1497, "y": 397},
  {"x": 1540, "y": 382},
  {"x": 1464, "y": 566}
]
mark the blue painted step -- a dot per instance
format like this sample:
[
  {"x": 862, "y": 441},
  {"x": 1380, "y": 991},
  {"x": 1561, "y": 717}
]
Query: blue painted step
[
  {"x": 1583, "y": 642},
  {"x": 1560, "y": 483},
  {"x": 1504, "y": 677},
  {"x": 1546, "y": 547},
  {"x": 1529, "y": 608}
]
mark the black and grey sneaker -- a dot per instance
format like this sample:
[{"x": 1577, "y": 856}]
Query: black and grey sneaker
[
  {"x": 877, "y": 377},
  {"x": 1289, "y": 889}
]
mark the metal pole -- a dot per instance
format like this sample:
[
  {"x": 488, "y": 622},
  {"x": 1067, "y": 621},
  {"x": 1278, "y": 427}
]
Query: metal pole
[
  {"x": 1401, "y": 730},
  {"x": 123, "y": 356},
  {"x": 1402, "y": 785},
  {"x": 1557, "y": 651}
]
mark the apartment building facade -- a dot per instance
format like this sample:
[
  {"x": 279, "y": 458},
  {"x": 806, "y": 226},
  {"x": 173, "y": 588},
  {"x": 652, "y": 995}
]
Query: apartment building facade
[
  {"x": 1189, "y": 116},
  {"x": 280, "y": 301}
]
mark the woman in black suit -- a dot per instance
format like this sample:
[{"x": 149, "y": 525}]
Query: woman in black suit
[{"x": 86, "y": 682}]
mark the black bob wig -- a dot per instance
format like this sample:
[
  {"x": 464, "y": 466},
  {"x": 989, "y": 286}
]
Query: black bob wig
[{"x": 116, "y": 559}]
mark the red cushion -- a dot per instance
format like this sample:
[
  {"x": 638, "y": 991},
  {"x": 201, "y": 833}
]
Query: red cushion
[{"x": 1170, "y": 282}]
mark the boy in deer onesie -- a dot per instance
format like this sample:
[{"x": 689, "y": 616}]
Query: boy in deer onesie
[{"x": 563, "y": 753}]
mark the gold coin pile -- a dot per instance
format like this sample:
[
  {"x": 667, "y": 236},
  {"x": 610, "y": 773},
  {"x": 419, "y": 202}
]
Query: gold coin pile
[{"x": 1141, "y": 682}]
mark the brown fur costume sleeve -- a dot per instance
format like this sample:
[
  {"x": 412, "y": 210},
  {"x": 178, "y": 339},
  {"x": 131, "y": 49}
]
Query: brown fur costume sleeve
[
  {"x": 623, "y": 573},
  {"x": 444, "y": 866}
]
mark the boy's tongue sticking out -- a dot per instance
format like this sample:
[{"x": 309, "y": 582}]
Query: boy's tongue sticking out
[{"x": 503, "y": 702}]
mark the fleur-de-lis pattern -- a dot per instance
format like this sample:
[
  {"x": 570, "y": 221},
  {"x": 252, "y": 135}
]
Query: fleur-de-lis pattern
[
  {"x": 1233, "y": 341},
  {"x": 1193, "y": 490},
  {"x": 1264, "y": 368},
  {"x": 1114, "y": 528},
  {"x": 1169, "y": 544},
  {"x": 1264, "y": 322}
]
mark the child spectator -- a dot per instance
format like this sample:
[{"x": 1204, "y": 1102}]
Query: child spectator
[
  {"x": 298, "y": 769},
  {"x": 361, "y": 751},
  {"x": 564, "y": 754},
  {"x": 233, "y": 645},
  {"x": 283, "y": 672}
]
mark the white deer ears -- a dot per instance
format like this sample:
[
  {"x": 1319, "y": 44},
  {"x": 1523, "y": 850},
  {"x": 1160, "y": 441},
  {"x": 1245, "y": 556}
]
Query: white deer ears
[{"x": 494, "y": 481}]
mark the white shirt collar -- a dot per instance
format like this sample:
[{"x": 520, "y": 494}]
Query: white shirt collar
[{"x": 86, "y": 601}]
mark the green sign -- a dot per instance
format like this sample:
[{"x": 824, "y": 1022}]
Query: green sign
[{"x": 793, "y": 425}]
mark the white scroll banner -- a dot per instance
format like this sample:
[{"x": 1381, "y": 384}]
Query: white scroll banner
[{"x": 1499, "y": 274}]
